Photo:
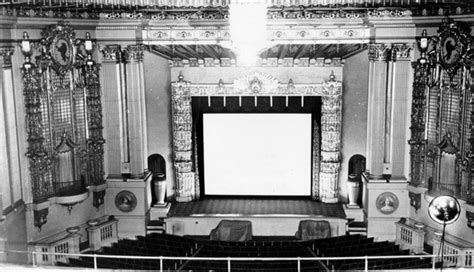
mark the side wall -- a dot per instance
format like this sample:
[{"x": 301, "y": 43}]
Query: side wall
[
  {"x": 354, "y": 113},
  {"x": 158, "y": 110}
]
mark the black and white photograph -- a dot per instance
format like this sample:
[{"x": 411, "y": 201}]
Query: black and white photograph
[{"x": 237, "y": 135}]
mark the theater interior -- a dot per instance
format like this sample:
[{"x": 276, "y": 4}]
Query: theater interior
[{"x": 198, "y": 132}]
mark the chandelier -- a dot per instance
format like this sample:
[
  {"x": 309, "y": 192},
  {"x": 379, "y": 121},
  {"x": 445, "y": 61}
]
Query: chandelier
[{"x": 248, "y": 28}]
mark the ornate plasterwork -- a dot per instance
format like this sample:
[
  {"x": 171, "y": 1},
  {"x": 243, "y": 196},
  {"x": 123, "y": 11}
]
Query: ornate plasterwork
[
  {"x": 276, "y": 34},
  {"x": 134, "y": 52},
  {"x": 268, "y": 62},
  {"x": 6, "y": 53},
  {"x": 254, "y": 84},
  {"x": 401, "y": 52},
  {"x": 379, "y": 52},
  {"x": 111, "y": 53}
]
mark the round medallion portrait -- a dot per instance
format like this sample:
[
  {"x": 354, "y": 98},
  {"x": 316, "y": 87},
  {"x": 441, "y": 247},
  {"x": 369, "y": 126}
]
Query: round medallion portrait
[
  {"x": 387, "y": 203},
  {"x": 125, "y": 201},
  {"x": 450, "y": 50},
  {"x": 61, "y": 52}
]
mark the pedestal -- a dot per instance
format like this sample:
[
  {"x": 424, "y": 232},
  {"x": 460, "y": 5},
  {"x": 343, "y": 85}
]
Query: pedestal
[
  {"x": 129, "y": 200},
  {"x": 385, "y": 203}
]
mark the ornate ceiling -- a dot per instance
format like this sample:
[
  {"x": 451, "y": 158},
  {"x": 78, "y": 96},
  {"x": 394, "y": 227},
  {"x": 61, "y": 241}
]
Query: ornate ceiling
[
  {"x": 218, "y": 9},
  {"x": 199, "y": 29}
]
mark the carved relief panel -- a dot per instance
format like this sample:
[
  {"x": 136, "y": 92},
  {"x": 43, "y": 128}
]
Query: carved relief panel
[{"x": 325, "y": 167}]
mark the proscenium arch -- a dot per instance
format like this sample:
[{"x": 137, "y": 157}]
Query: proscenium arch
[{"x": 256, "y": 84}]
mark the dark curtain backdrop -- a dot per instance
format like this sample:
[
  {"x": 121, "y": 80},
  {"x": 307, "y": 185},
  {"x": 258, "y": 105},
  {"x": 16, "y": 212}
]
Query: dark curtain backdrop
[{"x": 200, "y": 105}]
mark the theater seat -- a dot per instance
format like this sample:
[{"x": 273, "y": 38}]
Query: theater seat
[{"x": 313, "y": 229}]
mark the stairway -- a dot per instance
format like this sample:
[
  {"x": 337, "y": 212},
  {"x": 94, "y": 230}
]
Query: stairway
[
  {"x": 156, "y": 226},
  {"x": 357, "y": 227}
]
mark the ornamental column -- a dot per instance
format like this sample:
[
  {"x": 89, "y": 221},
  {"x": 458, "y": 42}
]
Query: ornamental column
[
  {"x": 182, "y": 141},
  {"x": 115, "y": 122},
  {"x": 136, "y": 108},
  {"x": 10, "y": 190},
  {"x": 400, "y": 109},
  {"x": 330, "y": 142},
  {"x": 377, "y": 131}
]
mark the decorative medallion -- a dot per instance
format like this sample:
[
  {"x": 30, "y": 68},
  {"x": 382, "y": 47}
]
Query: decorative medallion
[
  {"x": 451, "y": 50},
  {"x": 387, "y": 203},
  {"x": 454, "y": 44},
  {"x": 61, "y": 51},
  {"x": 126, "y": 201}
]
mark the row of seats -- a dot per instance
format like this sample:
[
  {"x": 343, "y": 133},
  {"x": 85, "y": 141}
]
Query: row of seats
[
  {"x": 358, "y": 245},
  {"x": 169, "y": 245}
]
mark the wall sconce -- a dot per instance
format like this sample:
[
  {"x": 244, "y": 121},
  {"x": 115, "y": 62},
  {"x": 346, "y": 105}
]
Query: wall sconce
[
  {"x": 89, "y": 47},
  {"x": 423, "y": 45},
  {"x": 25, "y": 44},
  {"x": 88, "y": 43},
  {"x": 26, "y": 49},
  {"x": 415, "y": 200},
  {"x": 28, "y": 65},
  {"x": 40, "y": 218}
]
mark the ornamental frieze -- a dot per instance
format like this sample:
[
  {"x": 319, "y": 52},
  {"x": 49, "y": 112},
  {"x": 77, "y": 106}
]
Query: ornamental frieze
[{"x": 353, "y": 33}]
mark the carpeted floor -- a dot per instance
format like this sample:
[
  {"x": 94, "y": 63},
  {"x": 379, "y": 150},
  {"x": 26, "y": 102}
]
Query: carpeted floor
[{"x": 256, "y": 207}]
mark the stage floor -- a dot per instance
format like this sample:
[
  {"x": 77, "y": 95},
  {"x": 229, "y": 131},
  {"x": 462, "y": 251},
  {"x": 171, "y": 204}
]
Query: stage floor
[{"x": 230, "y": 207}]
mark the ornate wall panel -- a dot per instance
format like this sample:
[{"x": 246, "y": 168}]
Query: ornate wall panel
[
  {"x": 63, "y": 115},
  {"x": 258, "y": 84},
  {"x": 441, "y": 142}
]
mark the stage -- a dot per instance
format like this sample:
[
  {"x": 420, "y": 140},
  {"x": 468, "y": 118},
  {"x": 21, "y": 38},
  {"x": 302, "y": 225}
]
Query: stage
[{"x": 269, "y": 217}]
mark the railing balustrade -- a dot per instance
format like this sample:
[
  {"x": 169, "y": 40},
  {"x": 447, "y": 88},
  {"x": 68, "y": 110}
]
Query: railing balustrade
[
  {"x": 228, "y": 260},
  {"x": 103, "y": 234},
  {"x": 410, "y": 236}
]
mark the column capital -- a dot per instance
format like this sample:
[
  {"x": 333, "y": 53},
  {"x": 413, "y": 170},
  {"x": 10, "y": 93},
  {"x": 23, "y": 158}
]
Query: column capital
[
  {"x": 401, "y": 52},
  {"x": 134, "y": 52},
  {"x": 6, "y": 53},
  {"x": 379, "y": 52},
  {"x": 111, "y": 53}
]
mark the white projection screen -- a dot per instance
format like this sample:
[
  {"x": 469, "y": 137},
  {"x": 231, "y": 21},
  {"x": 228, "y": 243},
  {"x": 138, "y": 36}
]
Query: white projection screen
[{"x": 257, "y": 154}]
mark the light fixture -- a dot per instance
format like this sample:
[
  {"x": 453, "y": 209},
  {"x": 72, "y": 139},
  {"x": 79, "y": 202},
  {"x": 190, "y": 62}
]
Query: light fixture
[
  {"x": 89, "y": 47},
  {"x": 27, "y": 65},
  {"x": 25, "y": 44},
  {"x": 444, "y": 210},
  {"x": 248, "y": 28},
  {"x": 88, "y": 43},
  {"x": 423, "y": 45}
]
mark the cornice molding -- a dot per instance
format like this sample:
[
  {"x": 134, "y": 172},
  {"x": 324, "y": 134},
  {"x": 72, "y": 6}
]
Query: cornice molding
[
  {"x": 275, "y": 34},
  {"x": 269, "y": 62}
]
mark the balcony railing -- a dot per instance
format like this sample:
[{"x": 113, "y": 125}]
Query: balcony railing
[
  {"x": 456, "y": 190},
  {"x": 60, "y": 189},
  {"x": 70, "y": 188},
  {"x": 35, "y": 261}
]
